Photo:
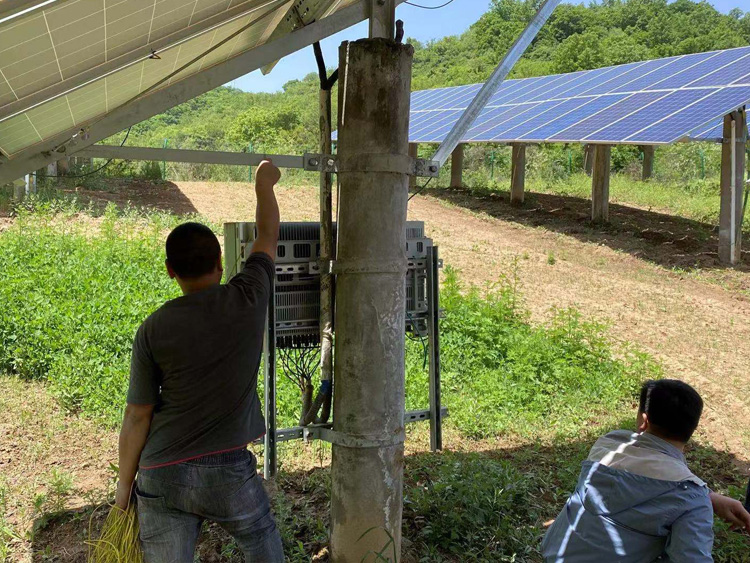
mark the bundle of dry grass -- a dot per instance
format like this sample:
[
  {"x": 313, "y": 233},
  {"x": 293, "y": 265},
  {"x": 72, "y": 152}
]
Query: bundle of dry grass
[{"x": 118, "y": 541}]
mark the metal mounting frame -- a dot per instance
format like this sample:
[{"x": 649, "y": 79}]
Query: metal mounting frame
[
  {"x": 398, "y": 164},
  {"x": 434, "y": 414}
]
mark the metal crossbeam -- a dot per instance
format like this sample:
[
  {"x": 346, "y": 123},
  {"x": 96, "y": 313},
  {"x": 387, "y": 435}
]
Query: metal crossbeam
[
  {"x": 315, "y": 432},
  {"x": 193, "y": 156}
]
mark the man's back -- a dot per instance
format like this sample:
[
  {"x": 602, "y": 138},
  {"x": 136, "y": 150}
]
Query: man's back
[
  {"x": 635, "y": 502},
  {"x": 197, "y": 359}
]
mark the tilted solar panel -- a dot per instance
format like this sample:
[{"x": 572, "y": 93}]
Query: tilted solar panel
[
  {"x": 650, "y": 102},
  {"x": 72, "y": 61}
]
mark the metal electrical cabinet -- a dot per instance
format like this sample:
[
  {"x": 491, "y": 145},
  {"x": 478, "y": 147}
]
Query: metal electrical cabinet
[{"x": 294, "y": 315}]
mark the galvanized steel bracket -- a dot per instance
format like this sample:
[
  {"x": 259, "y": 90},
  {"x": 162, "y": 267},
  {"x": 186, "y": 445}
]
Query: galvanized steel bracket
[
  {"x": 352, "y": 440},
  {"x": 394, "y": 163}
]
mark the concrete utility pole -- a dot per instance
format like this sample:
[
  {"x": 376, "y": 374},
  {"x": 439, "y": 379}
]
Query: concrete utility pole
[
  {"x": 732, "y": 187},
  {"x": 368, "y": 405}
]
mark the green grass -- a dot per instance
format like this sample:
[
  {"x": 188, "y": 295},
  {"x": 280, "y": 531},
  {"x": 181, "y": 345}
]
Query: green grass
[{"x": 75, "y": 289}]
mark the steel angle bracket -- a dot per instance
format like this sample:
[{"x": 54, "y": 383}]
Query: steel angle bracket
[
  {"x": 370, "y": 162},
  {"x": 331, "y": 436}
]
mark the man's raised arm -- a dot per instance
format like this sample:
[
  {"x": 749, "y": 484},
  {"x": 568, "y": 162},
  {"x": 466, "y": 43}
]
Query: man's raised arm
[{"x": 267, "y": 217}]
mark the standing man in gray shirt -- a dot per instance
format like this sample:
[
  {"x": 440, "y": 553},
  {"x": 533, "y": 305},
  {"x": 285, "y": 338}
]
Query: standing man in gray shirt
[{"x": 193, "y": 406}]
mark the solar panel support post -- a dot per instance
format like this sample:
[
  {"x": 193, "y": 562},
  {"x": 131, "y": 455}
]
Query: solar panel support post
[
  {"x": 732, "y": 187},
  {"x": 382, "y": 18},
  {"x": 414, "y": 153},
  {"x": 367, "y": 482},
  {"x": 588, "y": 159},
  {"x": 518, "y": 174},
  {"x": 479, "y": 102},
  {"x": 457, "y": 166},
  {"x": 600, "y": 184},
  {"x": 648, "y": 162}
]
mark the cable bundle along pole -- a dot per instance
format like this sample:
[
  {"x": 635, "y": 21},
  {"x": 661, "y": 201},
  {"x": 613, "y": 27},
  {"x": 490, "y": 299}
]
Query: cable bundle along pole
[{"x": 322, "y": 401}]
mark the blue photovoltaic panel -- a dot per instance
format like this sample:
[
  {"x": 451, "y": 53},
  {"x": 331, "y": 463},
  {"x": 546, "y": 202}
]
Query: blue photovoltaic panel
[
  {"x": 549, "y": 112},
  {"x": 540, "y": 88},
  {"x": 675, "y": 66},
  {"x": 532, "y": 110},
  {"x": 606, "y": 78},
  {"x": 524, "y": 88},
  {"x": 615, "y": 82},
  {"x": 725, "y": 74},
  {"x": 713, "y": 133},
  {"x": 645, "y": 116},
  {"x": 592, "y": 106},
  {"x": 551, "y": 93},
  {"x": 516, "y": 115},
  {"x": 645, "y": 102},
  {"x": 674, "y": 126},
  {"x": 492, "y": 117},
  {"x": 697, "y": 71},
  {"x": 587, "y": 79},
  {"x": 600, "y": 120}
]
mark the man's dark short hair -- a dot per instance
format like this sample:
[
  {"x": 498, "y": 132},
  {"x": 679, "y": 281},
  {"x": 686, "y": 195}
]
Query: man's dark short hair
[
  {"x": 673, "y": 408},
  {"x": 193, "y": 250}
]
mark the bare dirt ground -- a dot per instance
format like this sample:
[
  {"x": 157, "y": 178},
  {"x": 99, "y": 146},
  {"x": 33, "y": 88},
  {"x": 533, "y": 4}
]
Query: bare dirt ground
[{"x": 654, "y": 277}]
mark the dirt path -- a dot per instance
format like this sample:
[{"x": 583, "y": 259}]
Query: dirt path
[{"x": 696, "y": 325}]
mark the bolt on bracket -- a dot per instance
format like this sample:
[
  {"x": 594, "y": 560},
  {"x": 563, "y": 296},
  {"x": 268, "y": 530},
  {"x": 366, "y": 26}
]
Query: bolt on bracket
[{"x": 399, "y": 164}]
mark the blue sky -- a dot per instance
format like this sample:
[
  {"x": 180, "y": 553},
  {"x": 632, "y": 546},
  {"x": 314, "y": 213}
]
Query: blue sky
[{"x": 420, "y": 24}]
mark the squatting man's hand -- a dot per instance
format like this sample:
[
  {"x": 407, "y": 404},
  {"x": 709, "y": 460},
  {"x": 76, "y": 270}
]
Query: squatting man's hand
[{"x": 731, "y": 511}]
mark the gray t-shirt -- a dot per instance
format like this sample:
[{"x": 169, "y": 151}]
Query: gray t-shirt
[{"x": 196, "y": 358}]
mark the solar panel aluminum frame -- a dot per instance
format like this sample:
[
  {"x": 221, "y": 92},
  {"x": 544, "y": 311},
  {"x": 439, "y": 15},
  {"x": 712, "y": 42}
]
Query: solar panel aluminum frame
[{"x": 70, "y": 141}]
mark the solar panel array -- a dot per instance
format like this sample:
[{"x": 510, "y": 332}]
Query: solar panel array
[
  {"x": 58, "y": 43},
  {"x": 652, "y": 102}
]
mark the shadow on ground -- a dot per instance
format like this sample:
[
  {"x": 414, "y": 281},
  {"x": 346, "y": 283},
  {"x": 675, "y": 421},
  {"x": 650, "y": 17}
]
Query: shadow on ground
[
  {"x": 484, "y": 505},
  {"x": 666, "y": 240},
  {"x": 143, "y": 194}
]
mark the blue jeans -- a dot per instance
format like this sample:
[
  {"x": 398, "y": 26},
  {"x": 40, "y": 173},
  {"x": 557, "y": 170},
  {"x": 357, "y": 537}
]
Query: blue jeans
[{"x": 224, "y": 488}]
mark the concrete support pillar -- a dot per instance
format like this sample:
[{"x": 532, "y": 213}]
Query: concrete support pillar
[
  {"x": 52, "y": 169},
  {"x": 732, "y": 187},
  {"x": 414, "y": 153},
  {"x": 588, "y": 158},
  {"x": 600, "y": 184},
  {"x": 518, "y": 174},
  {"x": 30, "y": 181},
  {"x": 368, "y": 405},
  {"x": 63, "y": 167},
  {"x": 457, "y": 167},
  {"x": 19, "y": 189},
  {"x": 648, "y": 162}
]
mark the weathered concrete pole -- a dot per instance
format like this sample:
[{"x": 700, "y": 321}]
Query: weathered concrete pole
[
  {"x": 518, "y": 174},
  {"x": 600, "y": 184},
  {"x": 648, "y": 162},
  {"x": 414, "y": 153},
  {"x": 368, "y": 405},
  {"x": 457, "y": 166},
  {"x": 588, "y": 159},
  {"x": 732, "y": 187}
]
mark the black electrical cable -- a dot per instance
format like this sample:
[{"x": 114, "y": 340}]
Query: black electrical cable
[
  {"x": 429, "y": 7},
  {"x": 420, "y": 190},
  {"x": 102, "y": 167}
]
